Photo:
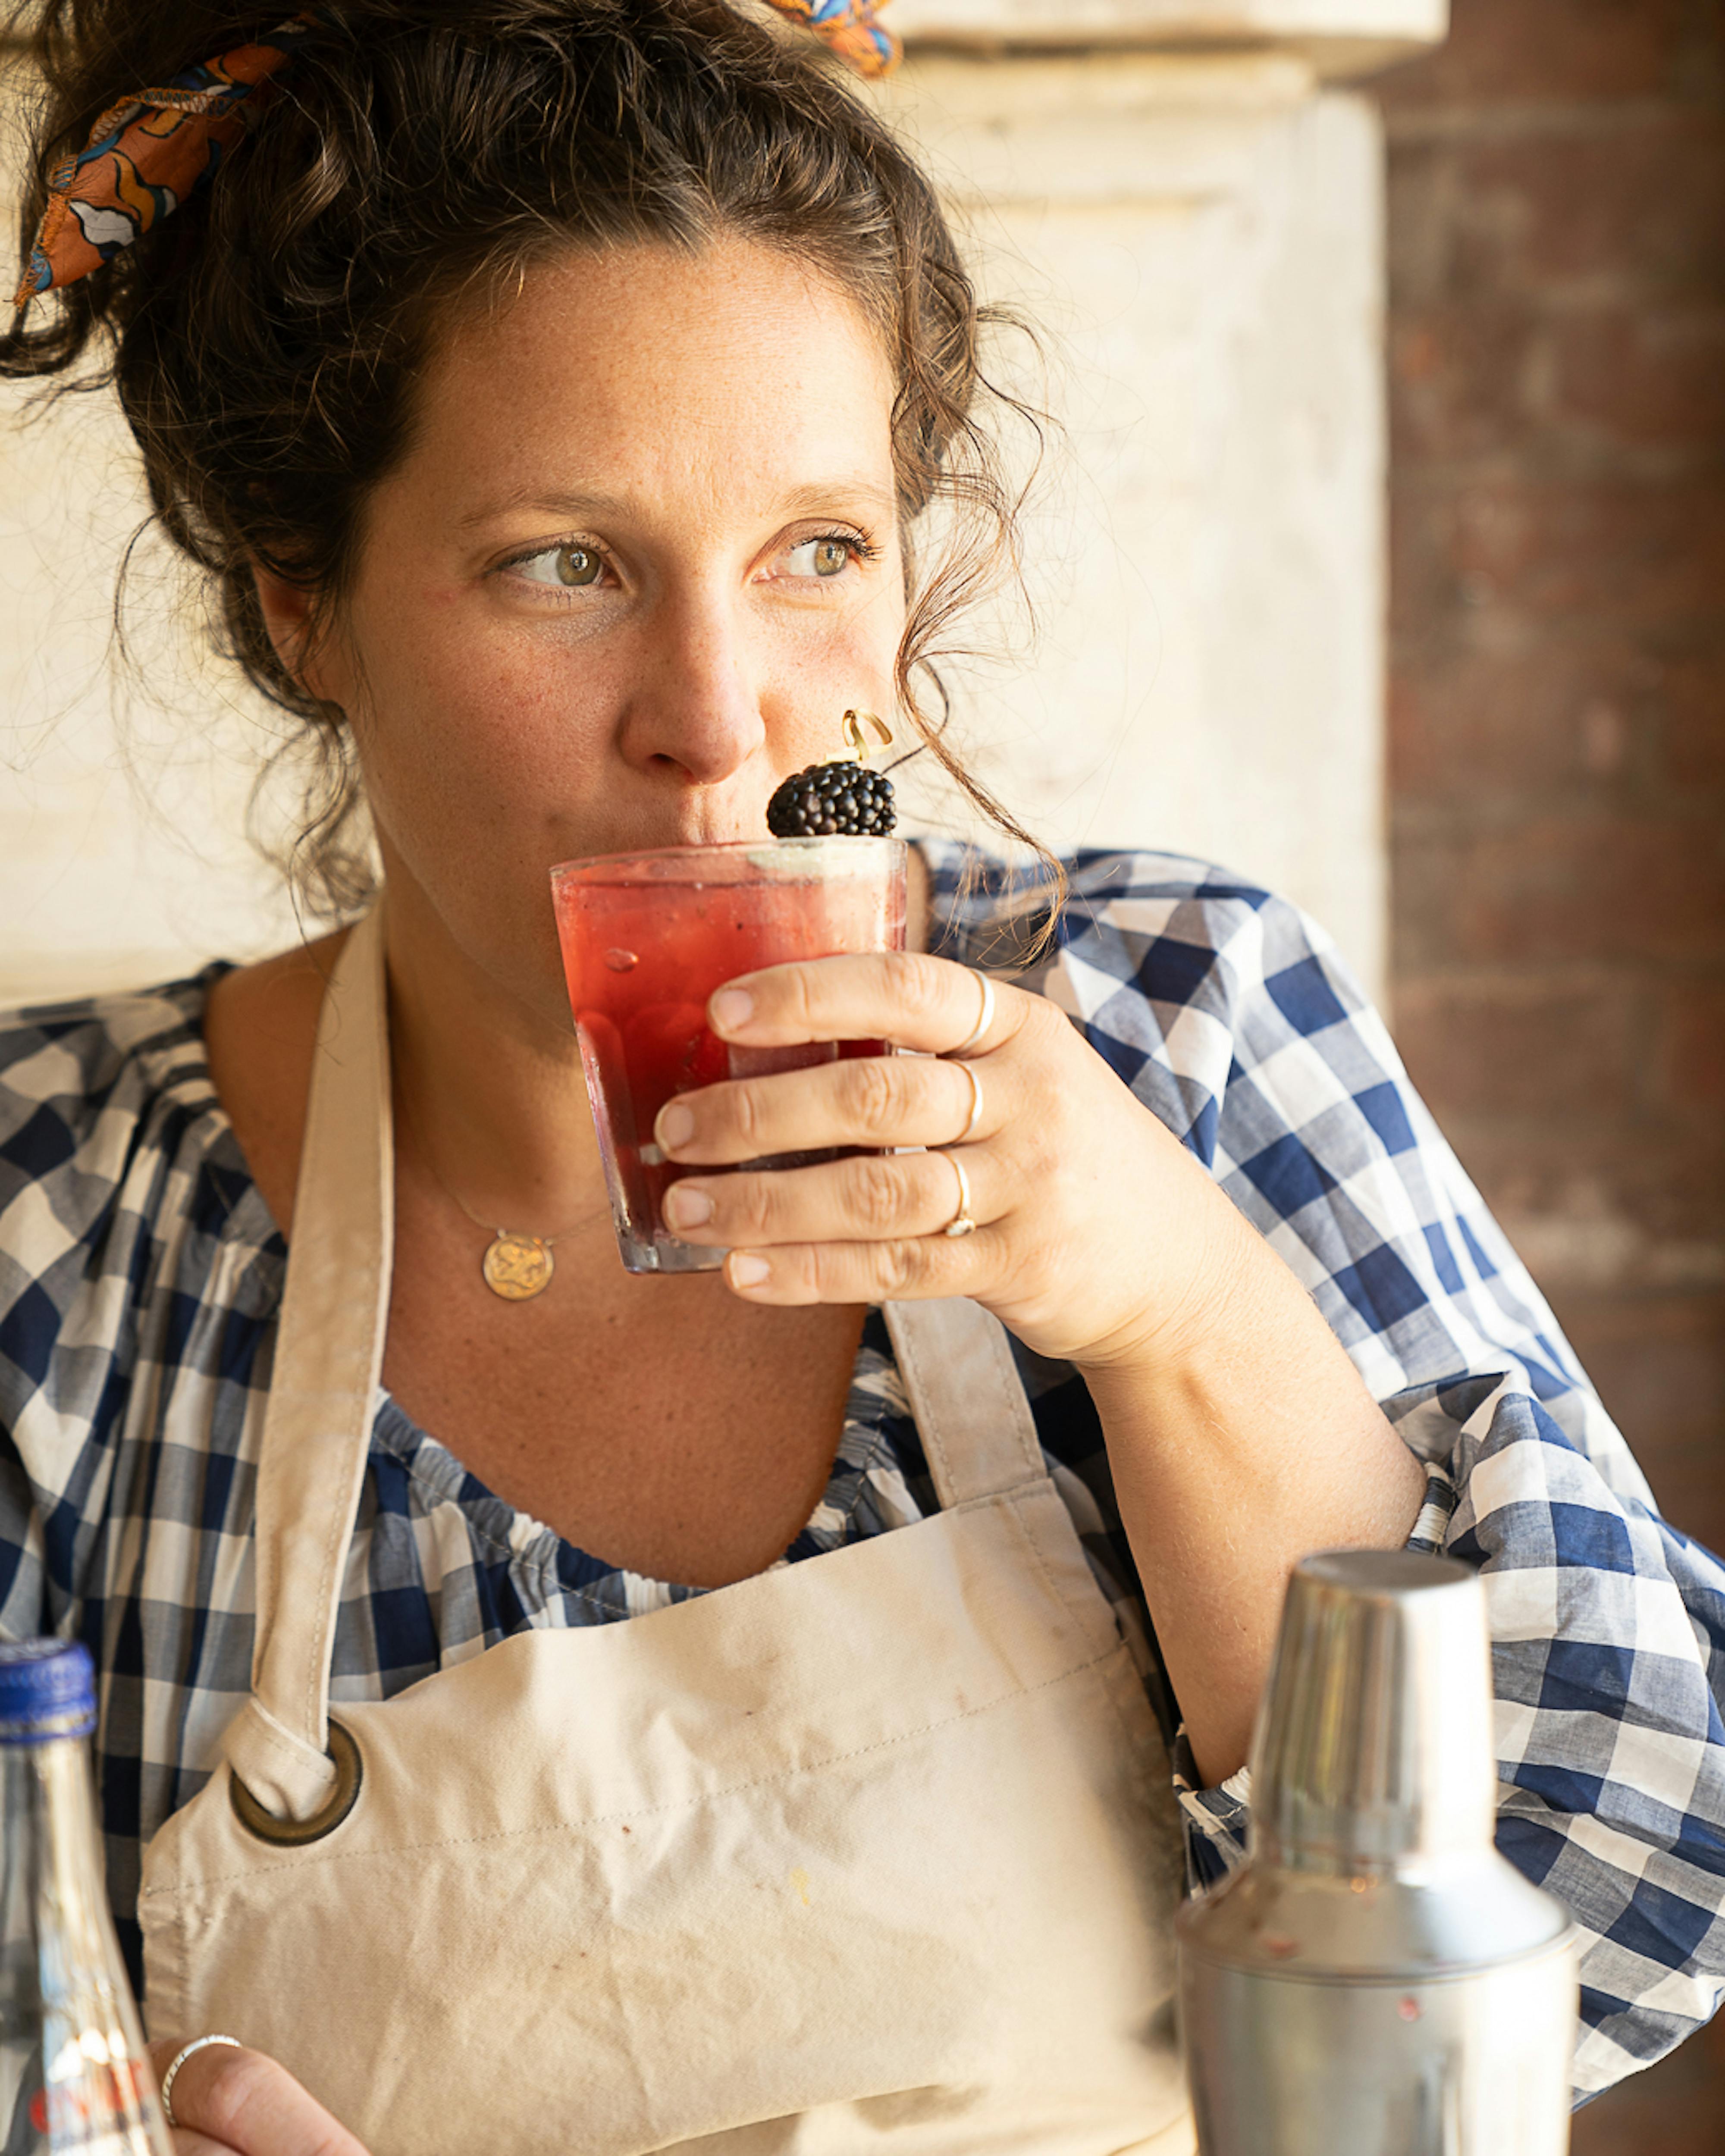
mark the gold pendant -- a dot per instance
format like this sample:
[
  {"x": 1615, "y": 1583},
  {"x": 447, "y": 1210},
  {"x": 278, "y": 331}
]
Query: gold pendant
[{"x": 517, "y": 1267}]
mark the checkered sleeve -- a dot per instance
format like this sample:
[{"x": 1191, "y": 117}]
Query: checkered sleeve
[
  {"x": 41, "y": 1462},
  {"x": 81, "y": 1173},
  {"x": 1233, "y": 1016}
]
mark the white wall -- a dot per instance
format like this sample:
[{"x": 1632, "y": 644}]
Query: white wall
[
  {"x": 122, "y": 857},
  {"x": 1204, "y": 236},
  {"x": 1200, "y": 236}
]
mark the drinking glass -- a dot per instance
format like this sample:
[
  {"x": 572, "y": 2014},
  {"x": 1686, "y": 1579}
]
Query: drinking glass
[{"x": 647, "y": 937}]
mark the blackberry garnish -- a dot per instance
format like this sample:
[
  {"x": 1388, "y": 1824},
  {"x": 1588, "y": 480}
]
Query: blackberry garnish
[{"x": 829, "y": 800}]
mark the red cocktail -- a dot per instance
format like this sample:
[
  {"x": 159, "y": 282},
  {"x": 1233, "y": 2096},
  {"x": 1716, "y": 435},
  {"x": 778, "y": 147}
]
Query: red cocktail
[{"x": 647, "y": 937}]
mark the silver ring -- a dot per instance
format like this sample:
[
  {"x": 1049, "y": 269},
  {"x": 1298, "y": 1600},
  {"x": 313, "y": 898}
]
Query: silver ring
[
  {"x": 983, "y": 1021},
  {"x": 976, "y": 1103},
  {"x": 178, "y": 2060},
  {"x": 961, "y": 1223}
]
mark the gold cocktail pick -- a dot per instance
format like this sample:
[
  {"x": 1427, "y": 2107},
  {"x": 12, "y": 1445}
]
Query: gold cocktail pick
[{"x": 851, "y": 728}]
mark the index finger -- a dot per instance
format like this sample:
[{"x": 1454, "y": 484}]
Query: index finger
[
  {"x": 915, "y": 1001},
  {"x": 250, "y": 2103}
]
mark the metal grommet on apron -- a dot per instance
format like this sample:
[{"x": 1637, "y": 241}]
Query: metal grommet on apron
[
  {"x": 295, "y": 1834},
  {"x": 876, "y": 1848}
]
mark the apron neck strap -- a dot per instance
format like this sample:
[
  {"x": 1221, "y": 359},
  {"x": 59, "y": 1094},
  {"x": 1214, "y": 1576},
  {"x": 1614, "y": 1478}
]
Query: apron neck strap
[
  {"x": 329, "y": 1354},
  {"x": 967, "y": 1398}
]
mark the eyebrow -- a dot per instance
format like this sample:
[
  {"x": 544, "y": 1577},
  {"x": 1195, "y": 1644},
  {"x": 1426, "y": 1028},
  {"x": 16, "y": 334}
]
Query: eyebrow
[{"x": 805, "y": 500}]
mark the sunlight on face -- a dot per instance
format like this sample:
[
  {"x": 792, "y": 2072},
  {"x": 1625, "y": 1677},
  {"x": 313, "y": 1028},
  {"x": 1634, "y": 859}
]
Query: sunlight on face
[{"x": 641, "y": 555}]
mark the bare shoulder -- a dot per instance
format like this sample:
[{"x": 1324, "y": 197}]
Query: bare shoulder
[{"x": 260, "y": 1030}]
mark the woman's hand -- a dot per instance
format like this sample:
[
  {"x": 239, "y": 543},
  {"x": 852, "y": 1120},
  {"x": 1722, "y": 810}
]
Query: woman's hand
[
  {"x": 1240, "y": 1434},
  {"x": 228, "y": 2101},
  {"x": 1095, "y": 1229}
]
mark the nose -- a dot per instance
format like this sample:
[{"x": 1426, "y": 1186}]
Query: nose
[{"x": 696, "y": 707}]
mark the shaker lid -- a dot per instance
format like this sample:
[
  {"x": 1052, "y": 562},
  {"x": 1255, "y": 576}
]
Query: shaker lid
[
  {"x": 47, "y": 1690},
  {"x": 1374, "y": 1745}
]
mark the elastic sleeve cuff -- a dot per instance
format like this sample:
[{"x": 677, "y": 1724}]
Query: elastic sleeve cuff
[
  {"x": 1435, "y": 1513},
  {"x": 1214, "y": 1819}
]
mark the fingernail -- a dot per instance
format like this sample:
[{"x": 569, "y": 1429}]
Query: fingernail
[
  {"x": 731, "y": 1009},
  {"x": 746, "y": 1270},
  {"x": 675, "y": 1127},
  {"x": 687, "y": 1207}
]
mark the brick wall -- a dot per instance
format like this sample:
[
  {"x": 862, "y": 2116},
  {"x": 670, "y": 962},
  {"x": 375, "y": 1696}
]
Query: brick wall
[{"x": 1556, "y": 768}]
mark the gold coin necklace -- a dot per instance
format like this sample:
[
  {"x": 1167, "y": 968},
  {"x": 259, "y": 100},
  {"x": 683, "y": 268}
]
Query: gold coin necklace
[{"x": 516, "y": 1267}]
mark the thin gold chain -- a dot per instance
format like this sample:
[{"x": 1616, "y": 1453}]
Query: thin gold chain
[{"x": 454, "y": 1197}]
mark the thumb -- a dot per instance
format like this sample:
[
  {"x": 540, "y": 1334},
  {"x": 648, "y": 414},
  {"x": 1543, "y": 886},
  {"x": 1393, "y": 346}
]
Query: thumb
[{"x": 228, "y": 2099}]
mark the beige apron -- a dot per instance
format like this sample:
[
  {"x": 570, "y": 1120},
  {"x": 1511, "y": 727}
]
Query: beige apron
[{"x": 875, "y": 1848}]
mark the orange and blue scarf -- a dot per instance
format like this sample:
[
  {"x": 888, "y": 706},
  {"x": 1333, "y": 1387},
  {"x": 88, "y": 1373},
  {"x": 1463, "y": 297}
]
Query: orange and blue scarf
[
  {"x": 149, "y": 153},
  {"x": 146, "y": 154},
  {"x": 850, "y": 27}
]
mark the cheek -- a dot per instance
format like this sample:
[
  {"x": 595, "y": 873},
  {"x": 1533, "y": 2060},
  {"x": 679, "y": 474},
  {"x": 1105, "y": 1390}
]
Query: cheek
[
  {"x": 858, "y": 647},
  {"x": 449, "y": 702}
]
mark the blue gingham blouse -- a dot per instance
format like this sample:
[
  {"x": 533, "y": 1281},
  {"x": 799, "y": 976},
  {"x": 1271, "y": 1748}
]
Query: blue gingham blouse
[{"x": 141, "y": 1275}]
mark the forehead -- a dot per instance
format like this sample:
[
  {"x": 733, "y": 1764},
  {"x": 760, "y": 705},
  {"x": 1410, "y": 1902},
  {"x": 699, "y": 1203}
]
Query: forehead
[{"x": 733, "y": 366}]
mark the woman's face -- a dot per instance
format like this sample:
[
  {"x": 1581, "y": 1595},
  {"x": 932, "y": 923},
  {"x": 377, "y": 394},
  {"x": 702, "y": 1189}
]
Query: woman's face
[{"x": 641, "y": 555}]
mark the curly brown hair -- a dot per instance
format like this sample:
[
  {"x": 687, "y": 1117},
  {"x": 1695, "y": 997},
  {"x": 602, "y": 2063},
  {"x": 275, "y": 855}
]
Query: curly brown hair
[{"x": 265, "y": 341}]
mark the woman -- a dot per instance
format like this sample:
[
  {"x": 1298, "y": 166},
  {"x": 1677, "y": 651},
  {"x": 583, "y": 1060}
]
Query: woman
[{"x": 551, "y": 390}]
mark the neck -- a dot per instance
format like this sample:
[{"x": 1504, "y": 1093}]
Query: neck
[{"x": 488, "y": 1077}]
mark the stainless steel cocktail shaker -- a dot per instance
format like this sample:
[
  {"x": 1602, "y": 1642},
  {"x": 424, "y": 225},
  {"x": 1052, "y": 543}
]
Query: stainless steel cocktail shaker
[{"x": 1376, "y": 1980}]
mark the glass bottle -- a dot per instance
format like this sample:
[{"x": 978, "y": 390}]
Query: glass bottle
[{"x": 74, "y": 2072}]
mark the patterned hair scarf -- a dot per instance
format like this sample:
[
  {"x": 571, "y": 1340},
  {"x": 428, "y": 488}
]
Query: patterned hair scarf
[
  {"x": 148, "y": 153},
  {"x": 850, "y": 27}
]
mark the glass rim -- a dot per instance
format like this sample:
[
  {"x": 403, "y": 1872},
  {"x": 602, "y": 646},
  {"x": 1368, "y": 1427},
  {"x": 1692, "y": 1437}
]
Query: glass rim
[{"x": 583, "y": 864}]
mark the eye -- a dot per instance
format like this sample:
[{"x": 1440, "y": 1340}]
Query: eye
[
  {"x": 569, "y": 566},
  {"x": 825, "y": 557}
]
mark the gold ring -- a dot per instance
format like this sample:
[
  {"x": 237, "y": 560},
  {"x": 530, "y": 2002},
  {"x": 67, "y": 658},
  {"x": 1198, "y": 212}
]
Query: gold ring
[
  {"x": 961, "y": 1223},
  {"x": 983, "y": 1021},
  {"x": 975, "y": 1103}
]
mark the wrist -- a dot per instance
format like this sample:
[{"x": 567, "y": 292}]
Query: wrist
[{"x": 1229, "y": 1287}]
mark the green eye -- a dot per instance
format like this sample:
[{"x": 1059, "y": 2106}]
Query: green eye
[
  {"x": 825, "y": 559},
  {"x": 578, "y": 565}
]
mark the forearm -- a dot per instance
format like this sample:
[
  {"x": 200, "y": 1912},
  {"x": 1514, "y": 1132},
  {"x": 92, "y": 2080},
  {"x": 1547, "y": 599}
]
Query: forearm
[
  {"x": 1237, "y": 1446},
  {"x": 1240, "y": 1434}
]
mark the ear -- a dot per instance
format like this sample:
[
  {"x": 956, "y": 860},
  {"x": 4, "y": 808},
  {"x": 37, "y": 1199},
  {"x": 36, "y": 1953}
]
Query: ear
[{"x": 287, "y": 612}]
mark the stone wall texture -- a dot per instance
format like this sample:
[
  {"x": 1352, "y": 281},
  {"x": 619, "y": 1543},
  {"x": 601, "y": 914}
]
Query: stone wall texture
[{"x": 1557, "y": 742}]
